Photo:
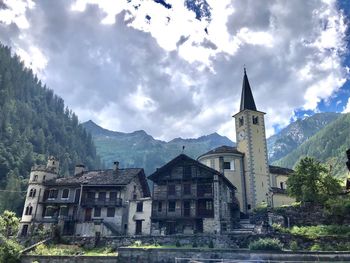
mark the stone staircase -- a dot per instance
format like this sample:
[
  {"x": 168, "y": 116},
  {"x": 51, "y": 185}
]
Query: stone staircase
[{"x": 245, "y": 228}]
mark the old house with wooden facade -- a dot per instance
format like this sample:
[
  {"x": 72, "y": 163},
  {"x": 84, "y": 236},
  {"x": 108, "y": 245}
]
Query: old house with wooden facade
[{"x": 189, "y": 197}]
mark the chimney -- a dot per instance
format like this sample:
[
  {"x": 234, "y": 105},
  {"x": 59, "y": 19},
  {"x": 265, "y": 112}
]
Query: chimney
[
  {"x": 116, "y": 165},
  {"x": 79, "y": 169},
  {"x": 221, "y": 164}
]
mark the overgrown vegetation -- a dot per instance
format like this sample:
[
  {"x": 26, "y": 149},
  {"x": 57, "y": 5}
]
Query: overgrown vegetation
[
  {"x": 341, "y": 246},
  {"x": 266, "y": 244},
  {"x": 9, "y": 248},
  {"x": 71, "y": 250},
  {"x": 314, "y": 232},
  {"x": 338, "y": 208}
]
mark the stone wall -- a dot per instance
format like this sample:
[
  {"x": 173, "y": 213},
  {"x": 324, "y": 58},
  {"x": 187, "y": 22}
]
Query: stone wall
[
  {"x": 69, "y": 259},
  {"x": 127, "y": 255}
]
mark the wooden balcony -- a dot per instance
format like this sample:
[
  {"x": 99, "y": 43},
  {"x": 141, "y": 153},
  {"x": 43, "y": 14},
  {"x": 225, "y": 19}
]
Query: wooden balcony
[{"x": 101, "y": 202}]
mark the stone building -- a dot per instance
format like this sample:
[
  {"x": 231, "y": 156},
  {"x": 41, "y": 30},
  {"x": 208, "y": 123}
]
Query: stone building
[
  {"x": 246, "y": 165},
  {"x": 90, "y": 203},
  {"x": 189, "y": 197}
]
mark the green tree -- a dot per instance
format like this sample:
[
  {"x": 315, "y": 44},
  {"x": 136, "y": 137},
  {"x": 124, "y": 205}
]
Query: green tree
[
  {"x": 312, "y": 182},
  {"x": 12, "y": 198},
  {"x": 9, "y": 223}
]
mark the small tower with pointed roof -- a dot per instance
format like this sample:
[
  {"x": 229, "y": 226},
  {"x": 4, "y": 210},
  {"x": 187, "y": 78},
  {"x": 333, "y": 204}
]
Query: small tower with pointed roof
[{"x": 251, "y": 140}]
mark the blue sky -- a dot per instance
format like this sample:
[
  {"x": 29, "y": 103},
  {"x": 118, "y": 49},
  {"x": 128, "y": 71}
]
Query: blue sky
[{"x": 174, "y": 68}]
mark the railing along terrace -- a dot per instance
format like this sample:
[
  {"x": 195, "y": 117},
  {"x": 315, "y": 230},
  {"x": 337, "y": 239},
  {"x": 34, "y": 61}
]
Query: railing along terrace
[{"x": 102, "y": 202}]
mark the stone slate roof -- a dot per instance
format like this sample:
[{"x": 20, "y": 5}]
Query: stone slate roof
[
  {"x": 280, "y": 170},
  {"x": 99, "y": 177},
  {"x": 222, "y": 149}
]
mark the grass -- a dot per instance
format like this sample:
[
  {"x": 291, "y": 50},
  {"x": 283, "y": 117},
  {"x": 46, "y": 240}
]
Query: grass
[
  {"x": 70, "y": 250},
  {"x": 314, "y": 232}
]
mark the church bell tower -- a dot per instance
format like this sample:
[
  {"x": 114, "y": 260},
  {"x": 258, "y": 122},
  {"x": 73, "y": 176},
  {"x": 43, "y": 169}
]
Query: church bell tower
[{"x": 251, "y": 140}]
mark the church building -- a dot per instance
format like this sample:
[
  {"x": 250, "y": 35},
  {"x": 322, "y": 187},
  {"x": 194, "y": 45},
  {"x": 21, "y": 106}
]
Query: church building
[{"x": 246, "y": 165}]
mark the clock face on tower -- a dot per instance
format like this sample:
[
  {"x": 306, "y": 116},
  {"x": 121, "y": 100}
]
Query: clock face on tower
[{"x": 241, "y": 135}]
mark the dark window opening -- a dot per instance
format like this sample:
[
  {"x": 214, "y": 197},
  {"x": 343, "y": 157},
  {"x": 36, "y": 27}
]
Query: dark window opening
[
  {"x": 97, "y": 212},
  {"x": 249, "y": 206},
  {"x": 171, "y": 189},
  {"x": 139, "y": 207},
  {"x": 53, "y": 194},
  {"x": 35, "y": 178},
  {"x": 112, "y": 195},
  {"x": 255, "y": 120},
  {"x": 204, "y": 190},
  {"x": 134, "y": 196},
  {"x": 187, "y": 189},
  {"x": 187, "y": 171},
  {"x": 102, "y": 196},
  {"x": 159, "y": 206},
  {"x": 24, "y": 230},
  {"x": 171, "y": 207},
  {"x": 282, "y": 185},
  {"x": 29, "y": 210},
  {"x": 32, "y": 192},
  {"x": 240, "y": 121},
  {"x": 64, "y": 211},
  {"x": 227, "y": 165},
  {"x": 138, "y": 229},
  {"x": 110, "y": 211},
  {"x": 65, "y": 193}
]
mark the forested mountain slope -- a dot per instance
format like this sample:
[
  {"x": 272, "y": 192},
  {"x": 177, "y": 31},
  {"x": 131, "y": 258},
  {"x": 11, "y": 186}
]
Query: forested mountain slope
[
  {"x": 34, "y": 124},
  {"x": 139, "y": 149},
  {"x": 327, "y": 145},
  {"x": 289, "y": 138}
]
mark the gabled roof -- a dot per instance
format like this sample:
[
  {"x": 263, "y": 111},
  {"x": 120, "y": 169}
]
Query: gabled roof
[
  {"x": 183, "y": 157},
  {"x": 222, "y": 149},
  {"x": 103, "y": 178},
  {"x": 280, "y": 170},
  {"x": 247, "y": 100}
]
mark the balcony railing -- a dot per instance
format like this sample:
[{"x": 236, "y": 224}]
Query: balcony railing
[{"x": 101, "y": 202}]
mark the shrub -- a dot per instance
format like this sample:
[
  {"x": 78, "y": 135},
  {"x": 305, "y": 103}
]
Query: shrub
[
  {"x": 211, "y": 244},
  {"x": 293, "y": 245},
  {"x": 178, "y": 244},
  {"x": 9, "y": 250},
  {"x": 194, "y": 244},
  {"x": 138, "y": 243},
  {"x": 266, "y": 244}
]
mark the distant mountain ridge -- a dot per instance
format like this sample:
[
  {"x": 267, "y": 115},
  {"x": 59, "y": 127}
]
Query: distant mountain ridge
[
  {"x": 299, "y": 131},
  {"x": 139, "y": 149},
  {"x": 327, "y": 145}
]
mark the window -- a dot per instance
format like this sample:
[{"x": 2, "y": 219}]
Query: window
[
  {"x": 44, "y": 177},
  {"x": 63, "y": 211},
  {"x": 255, "y": 120},
  {"x": 101, "y": 196},
  {"x": 35, "y": 178},
  {"x": 209, "y": 205},
  {"x": 24, "y": 230},
  {"x": 187, "y": 189},
  {"x": 204, "y": 189},
  {"x": 97, "y": 212},
  {"x": 212, "y": 163},
  {"x": 134, "y": 196},
  {"x": 53, "y": 193},
  {"x": 112, "y": 195},
  {"x": 227, "y": 165},
  {"x": 240, "y": 121},
  {"x": 159, "y": 206},
  {"x": 139, "y": 207},
  {"x": 171, "y": 207},
  {"x": 90, "y": 195},
  {"x": 50, "y": 211},
  {"x": 282, "y": 185},
  {"x": 29, "y": 210},
  {"x": 32, "y": 192},
  {"x": 110, "y": 211},
  {"x": 65, "y": 193},
  {"x": 171, "y": 189},
  {"x": 187, "y": 171}
]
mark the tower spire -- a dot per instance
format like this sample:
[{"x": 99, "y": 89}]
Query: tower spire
[{"x": 247, "y": 100}]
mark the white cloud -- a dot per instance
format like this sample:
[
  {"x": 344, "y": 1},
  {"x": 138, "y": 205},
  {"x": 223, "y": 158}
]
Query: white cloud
[
  {"x": 347, "y": 107},
  {"x": 170, "y": 77}
]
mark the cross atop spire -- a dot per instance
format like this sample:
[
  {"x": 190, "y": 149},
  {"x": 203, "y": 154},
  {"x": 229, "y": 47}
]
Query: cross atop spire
[{"x": 247, "y": 100}]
